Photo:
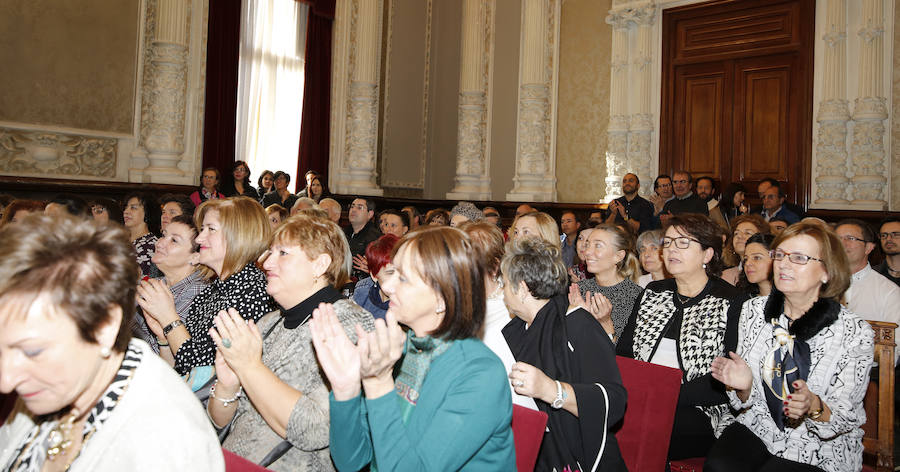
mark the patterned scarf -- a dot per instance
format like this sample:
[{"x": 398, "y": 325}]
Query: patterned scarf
[
  {"x": 787, "y": 362},
  {"x": 416, "y": 362},
  {"x": 31, "y": 455}
]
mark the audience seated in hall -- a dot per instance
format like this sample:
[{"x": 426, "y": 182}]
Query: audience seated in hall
[
  {"x": 871, "y": 295},
  {"x": 603, "y": 270}
]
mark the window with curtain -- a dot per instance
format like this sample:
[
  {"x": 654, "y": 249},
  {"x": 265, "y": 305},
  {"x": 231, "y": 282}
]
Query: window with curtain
[{"x": 270, "y": 85}]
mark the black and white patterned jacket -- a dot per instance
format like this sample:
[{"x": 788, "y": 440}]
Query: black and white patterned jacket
[
  {"x": 841, "y": 351},
  {"x": 706, "y": 327}
]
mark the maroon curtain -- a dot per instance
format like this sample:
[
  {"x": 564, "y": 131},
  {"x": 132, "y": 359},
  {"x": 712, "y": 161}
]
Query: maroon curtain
[
  {"x": 222, "y": 52},
  {"x": 314, "y": 128}
]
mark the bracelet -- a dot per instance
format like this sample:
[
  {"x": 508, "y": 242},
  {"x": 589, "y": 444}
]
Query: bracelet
[
  {"x": 816, "y": 414},
  {"x": 225, "y": 401},
  {"x": 172, "y": 326}
]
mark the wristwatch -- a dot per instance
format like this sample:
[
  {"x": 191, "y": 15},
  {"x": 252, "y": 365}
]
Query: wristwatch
[
  {"x": 561, "y": 395},
  {"x": 172, "y": 326}
]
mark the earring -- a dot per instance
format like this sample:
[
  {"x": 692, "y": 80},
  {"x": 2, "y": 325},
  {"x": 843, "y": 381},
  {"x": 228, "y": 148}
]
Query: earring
[
  {"x": 105, "y": 352},
  {"x": 440, "y": 310},
  {"x": 704, "y": 265}
]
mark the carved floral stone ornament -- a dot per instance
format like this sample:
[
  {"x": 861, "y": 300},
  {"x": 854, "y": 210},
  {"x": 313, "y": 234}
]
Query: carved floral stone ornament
[{"x": 33, "y": 152}]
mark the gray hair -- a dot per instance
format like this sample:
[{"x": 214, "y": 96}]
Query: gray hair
[
  {"x": 467, "y": 209},
  {"x": 537, "y": 263},
  {"x": 653, "y": 237}
]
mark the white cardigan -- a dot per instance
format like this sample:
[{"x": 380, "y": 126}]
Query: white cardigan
[
  {"x": 158, "y": 425},
  {"x": 841, "y": 357}
]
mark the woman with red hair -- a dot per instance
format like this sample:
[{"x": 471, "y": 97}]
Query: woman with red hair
[{"x": 368, "y": 293}]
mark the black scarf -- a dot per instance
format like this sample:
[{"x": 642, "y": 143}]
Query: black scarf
[
  {"x": 296, "y": 316},
  {"x": 544, "y": 345},
  {"x": 791, "y": 359}
]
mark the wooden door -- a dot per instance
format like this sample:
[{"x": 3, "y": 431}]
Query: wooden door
[{"x": 737, "y": 93}]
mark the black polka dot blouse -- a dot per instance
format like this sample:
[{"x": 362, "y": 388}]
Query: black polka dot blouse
[{"x": 244, "y": 291}]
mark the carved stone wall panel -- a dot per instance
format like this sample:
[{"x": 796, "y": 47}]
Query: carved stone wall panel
[
  {"x": 363, "y": 125},
  {"x": 43, "y": 153}
]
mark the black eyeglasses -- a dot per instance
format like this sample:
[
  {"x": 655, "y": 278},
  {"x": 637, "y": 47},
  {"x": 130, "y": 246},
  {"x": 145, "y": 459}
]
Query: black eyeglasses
[
  {"x": 682, "y": 242},
  {"x": 680, "y": 181},
  {"x": 891, "y": 235},
  {"x": 854, "y": 238},
  {"x": 794, "y": 257}
]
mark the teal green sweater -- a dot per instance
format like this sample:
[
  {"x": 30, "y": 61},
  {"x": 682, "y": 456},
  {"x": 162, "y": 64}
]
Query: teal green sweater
[{"x": 461, "y": 421}]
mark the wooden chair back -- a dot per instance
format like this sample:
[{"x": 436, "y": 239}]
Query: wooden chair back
[{"x": 878, "y": 441}]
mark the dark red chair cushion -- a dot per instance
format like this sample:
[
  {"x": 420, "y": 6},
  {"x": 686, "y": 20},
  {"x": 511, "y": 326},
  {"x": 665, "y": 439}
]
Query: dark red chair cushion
[
  {"x": 647, "y": 427},
  {"x": 688, "y": 465},
  {"x": 236, "y": 463},
  {"x": 528, "y": 432}
]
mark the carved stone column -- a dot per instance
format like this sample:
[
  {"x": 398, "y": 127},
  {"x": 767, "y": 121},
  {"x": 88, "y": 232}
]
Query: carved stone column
[
  {"x": 834, "y": 113},
  {"x": 356, "y": 171},
  {"x": 640, "y": 136},
  {"x": 617, "y": 130},
  {"x": 473, "y": 181},
  {"x": 535, "y": 178},
  {"x": 165, "y": 86},
  {"x": 870, "y": 111}
]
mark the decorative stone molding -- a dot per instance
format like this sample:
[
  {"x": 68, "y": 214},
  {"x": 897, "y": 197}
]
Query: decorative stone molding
[
  {"x": 535, "y": 178},
  {"x": 834, "y": 114},
  {"x": 473, "y": 181},
  {"x": 868, "y": 163},
  {"x": 164, "y": 90},
  {"x": 357, "y": 36},
  {"x": 44, "y": 153}
]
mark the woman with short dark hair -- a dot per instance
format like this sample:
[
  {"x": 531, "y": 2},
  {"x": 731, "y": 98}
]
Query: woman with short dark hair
[
  {"x": 280, "y": 195},
  {"x": 449, "y": 408},
  {"x": 237, "y": 184},
  {"x": 105, "y": 210},
  {"x": 142, "y": 217},
  {"x": 91, "y": 398},
  {"x": 564, "y": 361},
  {"x": 801, "y": 367},
  {"x": 756, "y": 277},
  {"x": 684, "y": 323}
]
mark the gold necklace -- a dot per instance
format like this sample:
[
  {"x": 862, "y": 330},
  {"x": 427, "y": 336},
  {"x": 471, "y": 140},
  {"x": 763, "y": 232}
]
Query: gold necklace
[{"x": 60, "y": 437}]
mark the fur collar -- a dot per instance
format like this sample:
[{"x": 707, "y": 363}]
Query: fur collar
[{"x": 822, "y": 314}]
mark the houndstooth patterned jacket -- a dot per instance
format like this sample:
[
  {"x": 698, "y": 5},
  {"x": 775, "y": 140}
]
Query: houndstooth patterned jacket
[{"x": 706, "y": 327}]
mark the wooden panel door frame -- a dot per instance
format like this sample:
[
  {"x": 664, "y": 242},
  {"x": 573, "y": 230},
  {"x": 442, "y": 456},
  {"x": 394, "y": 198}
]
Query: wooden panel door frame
[{"x": 799, "y": 186}]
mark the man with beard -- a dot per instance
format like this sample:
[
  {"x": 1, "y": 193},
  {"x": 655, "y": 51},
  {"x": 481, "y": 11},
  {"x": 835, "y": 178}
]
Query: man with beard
[
  {"x": 871, "y": 295},
  {"x": 889, "y": 234},
  {"x": 706, "y": 190},
  {"x": 631, "y": 208}
]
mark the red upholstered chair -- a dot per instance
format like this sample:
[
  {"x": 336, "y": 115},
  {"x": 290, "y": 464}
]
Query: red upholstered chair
[
  {"x": 528, "y": 432},
  {"x": 647, "y": 426},
  {"x": 236, "y": 463}
]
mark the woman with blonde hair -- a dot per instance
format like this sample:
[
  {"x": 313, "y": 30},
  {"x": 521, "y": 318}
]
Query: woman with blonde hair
[
  {"x": 233, "y": 234},
  {"x": 611, "y": 293},
  {"x": 801, "y": 367},
  {"x": 269, "y": 388},
  {"x": 537, "y": 224}
]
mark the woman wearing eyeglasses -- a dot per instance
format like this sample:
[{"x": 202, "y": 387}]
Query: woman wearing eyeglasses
[
  {"x": 801, "y": 368},
  {"x": 685, "y": 322}
]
